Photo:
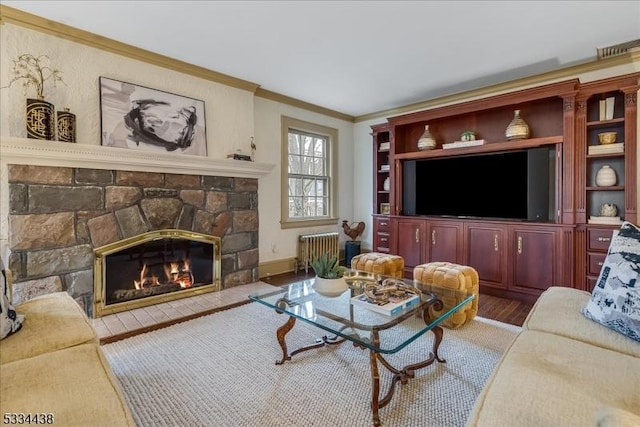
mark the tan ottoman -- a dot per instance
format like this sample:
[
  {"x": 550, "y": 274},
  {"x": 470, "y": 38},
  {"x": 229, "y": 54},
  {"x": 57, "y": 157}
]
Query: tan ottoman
[
  {"x": 452, "y": 276},
  {"x": 379, "y": 263}
]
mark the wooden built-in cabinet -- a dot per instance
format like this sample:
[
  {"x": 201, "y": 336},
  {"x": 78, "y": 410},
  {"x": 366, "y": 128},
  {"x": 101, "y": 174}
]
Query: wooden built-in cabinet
[
  {"x": 593, "y": 239},
  {"x": 596, "y": 245},
  {"x": 381, "y": 233},
  {"x": 419, "y": 241},
  {"x": 486, "y": 250},
  {"x": 382, "y": 168},
  {"x": 516, "y": 258},
  {"x": 444, "y": 241},
  {"x": 409, "y": 235},
  {"x": 534, "y": 253}
]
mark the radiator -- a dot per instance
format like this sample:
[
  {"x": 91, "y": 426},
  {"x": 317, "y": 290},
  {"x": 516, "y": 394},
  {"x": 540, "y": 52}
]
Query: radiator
[{"x": 311, "y": 245}]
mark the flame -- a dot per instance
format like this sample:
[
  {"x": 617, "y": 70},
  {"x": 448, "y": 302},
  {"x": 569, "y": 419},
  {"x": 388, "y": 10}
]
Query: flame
[{"x": 174, "y": 272}]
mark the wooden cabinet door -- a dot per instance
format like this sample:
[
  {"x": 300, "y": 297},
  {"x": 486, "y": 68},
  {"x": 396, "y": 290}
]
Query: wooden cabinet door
[
  {"x": 445, "y": 241},
  {"x": 486, "y": 249},
  {"x": 533, "y": 258},
  {"x": 409, "y": 237}
]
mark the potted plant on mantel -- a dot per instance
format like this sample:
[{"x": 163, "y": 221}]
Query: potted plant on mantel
[
  {"x": 33, "y": 73},
  {"x": 329, "y": 279}
]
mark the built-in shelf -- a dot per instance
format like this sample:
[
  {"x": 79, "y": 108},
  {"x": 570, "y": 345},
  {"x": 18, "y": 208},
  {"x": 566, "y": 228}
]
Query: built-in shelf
[{"x": 487, "y": 148}]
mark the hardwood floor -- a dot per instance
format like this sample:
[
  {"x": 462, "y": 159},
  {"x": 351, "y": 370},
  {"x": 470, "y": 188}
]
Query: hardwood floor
[{"x": 491, "y": 307}]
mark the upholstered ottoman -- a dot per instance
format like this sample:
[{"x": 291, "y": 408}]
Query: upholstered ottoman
[
  {"x": 456, "y": 277},
  {"x": 379, "y": 263}
]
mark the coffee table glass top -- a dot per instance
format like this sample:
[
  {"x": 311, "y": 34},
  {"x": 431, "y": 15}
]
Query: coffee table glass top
[{"x": 355, "y": 323}]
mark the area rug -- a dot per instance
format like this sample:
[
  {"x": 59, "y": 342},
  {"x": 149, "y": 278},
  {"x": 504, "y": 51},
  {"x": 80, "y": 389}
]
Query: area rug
[{"x": 219, "y": 370}]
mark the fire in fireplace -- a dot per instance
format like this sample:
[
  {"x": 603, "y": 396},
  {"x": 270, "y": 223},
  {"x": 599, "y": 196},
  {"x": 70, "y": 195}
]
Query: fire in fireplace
[{"x": 155, "y": 267}]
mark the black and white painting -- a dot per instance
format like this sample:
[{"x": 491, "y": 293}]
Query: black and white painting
[{"x": 142, "y": 118}]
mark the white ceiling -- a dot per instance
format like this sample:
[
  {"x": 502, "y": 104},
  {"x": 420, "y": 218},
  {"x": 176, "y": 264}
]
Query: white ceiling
[{"x": 360, "y": 57}]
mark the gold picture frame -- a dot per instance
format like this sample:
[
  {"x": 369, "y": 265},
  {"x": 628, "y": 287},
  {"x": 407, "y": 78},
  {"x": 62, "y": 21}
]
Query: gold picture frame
[{"x": 385, "y": 208}]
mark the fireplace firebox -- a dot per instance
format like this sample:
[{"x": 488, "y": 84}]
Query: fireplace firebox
[{"x": 154, "y": 267}]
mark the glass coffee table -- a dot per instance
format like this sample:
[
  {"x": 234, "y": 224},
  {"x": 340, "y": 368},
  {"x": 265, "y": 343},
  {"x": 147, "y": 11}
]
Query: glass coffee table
[{"x": 380, "y": 334}]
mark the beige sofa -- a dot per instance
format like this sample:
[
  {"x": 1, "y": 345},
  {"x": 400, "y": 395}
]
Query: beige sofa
[
  {"x": 563, "y": 370},
  {"x": 54, "y": 365}
]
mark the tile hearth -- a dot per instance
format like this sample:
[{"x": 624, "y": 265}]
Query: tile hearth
[{"x": 128, "y": 323}]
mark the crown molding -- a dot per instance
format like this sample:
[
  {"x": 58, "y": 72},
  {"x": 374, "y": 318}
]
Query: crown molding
[
  {"x": 561, "y": 73},
  {"x": 27, "y": 20},
  {"x": 273, "y": 96}
]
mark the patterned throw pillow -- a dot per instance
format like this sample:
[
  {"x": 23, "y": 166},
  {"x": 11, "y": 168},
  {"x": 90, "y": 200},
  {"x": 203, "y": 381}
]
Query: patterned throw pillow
[
  {"x": 615, "y": 301},
  {"x": 10, "y": 321}
]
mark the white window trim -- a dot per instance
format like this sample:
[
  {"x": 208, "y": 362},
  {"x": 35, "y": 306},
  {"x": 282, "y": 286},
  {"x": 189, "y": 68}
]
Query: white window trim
[{"x": 288, "y": 123}]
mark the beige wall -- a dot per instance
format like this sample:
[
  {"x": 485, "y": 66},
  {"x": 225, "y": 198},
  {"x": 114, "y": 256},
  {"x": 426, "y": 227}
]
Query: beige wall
[
  {"x": 229, "y": 111},
  {"x": 276, "y": 243}
]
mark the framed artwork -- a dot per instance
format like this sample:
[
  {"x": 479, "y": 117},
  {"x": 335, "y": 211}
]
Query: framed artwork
[
  {"x": 385, "y": 208},
  {"x": 141, "y": 118}
]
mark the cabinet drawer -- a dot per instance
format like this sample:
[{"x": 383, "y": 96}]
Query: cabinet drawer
[
  {"x": 382, "y": 224},
  {"x": 599, "y": 239},
  {"x": 595, "y": 262},
  {"x": 382, "y": 241}
]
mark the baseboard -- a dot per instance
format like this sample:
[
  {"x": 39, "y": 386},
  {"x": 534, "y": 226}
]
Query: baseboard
[
  {"x": 286, "y": 265},
  {"x": 279, "y": 266}
]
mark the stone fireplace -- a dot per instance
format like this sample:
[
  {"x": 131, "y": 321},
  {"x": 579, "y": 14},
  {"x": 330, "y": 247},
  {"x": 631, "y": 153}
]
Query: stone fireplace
[{"x": 67, "y": 201}]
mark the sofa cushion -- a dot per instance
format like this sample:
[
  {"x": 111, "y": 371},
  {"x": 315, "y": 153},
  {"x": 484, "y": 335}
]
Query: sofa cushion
[
  {"x": 10, "y": 320},
  {"x": 558, "y": 311},
  {"x": 549, "y": 380},
  {"x": 615, "y": 301},
  {"x": 52, "y": 322},
  {"x": 616, "y": 417},
  {"x": 76, "y": 385}
]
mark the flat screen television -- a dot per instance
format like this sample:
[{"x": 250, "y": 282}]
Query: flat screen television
[{"x": 518, "y": 185}]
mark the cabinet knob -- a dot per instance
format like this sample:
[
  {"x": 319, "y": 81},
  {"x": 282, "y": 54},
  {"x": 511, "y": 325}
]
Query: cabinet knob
[
  {"x": 433, "y": 237},
  {"x": 495, "y": 242},
  {"x": 604, "y": 239},
  {"x": 383, "y": 224},
  {"x": 417, "y": 235},
  {"x": 519, "y": 245},
  {"x": 600, "y": 264}
]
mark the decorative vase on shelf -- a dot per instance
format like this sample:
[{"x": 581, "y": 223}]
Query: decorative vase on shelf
[
  {"x": 518, "y": 128},
  {"x": 426, "y": 142},
  {"x": 40, "y": 119},
  {"x": 606, "y": 176},
  {"x": 608, "y": 209},
  {"x": 66, "y": 126},
  {"x": 386, "y": 185}
]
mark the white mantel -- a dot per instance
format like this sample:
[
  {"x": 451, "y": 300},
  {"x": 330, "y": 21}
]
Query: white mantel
[{"x": 23, "y": 151}]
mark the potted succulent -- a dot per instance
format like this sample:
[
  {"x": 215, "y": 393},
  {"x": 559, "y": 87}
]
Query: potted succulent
[{"x": 329, "y": 279}]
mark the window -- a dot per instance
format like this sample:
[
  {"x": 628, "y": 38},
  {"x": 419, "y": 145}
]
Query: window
[{"x": 308, "y": 174}]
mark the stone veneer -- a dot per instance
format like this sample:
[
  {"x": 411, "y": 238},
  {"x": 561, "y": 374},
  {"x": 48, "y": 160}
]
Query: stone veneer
[{"x": 58, "y": 215}]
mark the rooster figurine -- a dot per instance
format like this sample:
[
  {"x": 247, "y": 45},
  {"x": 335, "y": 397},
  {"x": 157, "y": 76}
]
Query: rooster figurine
[{"x": 353, "y": 230}]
